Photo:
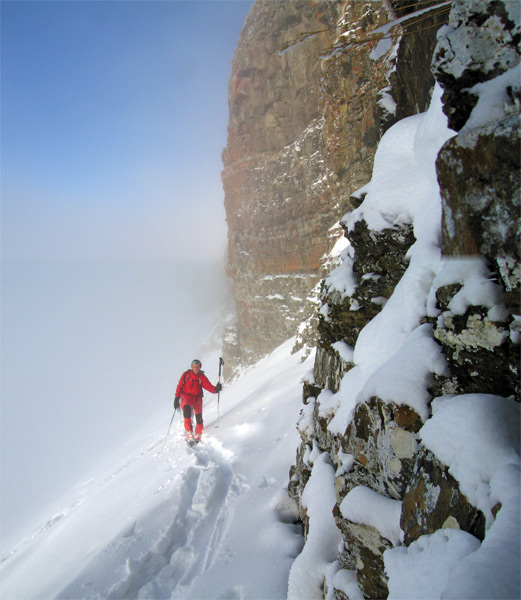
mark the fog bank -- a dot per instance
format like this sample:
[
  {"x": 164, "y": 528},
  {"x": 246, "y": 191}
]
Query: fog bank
[{"x": 91, "y": 349}]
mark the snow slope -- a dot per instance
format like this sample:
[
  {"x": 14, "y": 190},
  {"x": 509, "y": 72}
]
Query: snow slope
[{"x": 214, "y": 521}]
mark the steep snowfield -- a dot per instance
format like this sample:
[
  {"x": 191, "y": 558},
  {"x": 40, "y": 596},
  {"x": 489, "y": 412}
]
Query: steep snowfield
[{"x": 214, "y": 521}]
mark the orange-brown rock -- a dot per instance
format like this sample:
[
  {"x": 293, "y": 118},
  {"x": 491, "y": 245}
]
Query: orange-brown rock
[{"x": 302, "y": 134}]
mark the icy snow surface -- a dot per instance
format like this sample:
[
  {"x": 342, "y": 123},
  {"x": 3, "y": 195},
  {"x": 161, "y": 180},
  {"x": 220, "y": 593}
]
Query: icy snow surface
[
  {"x": 365, "y": 506},
  {"x": 430, "y": 559},
  {"x": 493, "y": 100},
  {"x": 309, "y": 569},
  {"x": 214, "y": 521}
]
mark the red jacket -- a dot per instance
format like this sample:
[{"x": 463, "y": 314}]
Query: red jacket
[{"x": 192, "y": 385}]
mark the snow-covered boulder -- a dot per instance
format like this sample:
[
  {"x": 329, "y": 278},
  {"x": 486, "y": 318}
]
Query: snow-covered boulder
[{"x": 480, "y": 42}]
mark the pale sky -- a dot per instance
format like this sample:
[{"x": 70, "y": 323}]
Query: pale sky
[
  {"x": 113, "y": 120},
  {"x": 114, "y": 117}
]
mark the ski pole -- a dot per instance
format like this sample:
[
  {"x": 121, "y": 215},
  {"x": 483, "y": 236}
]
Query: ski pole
[
  {"x": 221, "y": 363},
  {"x": 171, "y": 420}
]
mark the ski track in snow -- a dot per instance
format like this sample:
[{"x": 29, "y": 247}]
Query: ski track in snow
[
  {"x": 209, "y": 522},
  {"x": 186, "y": 546}
]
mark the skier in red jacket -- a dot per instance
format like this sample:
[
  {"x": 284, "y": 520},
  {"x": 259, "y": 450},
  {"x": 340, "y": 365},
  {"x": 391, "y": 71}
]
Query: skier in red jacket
[{"x": 189, "y": 397}]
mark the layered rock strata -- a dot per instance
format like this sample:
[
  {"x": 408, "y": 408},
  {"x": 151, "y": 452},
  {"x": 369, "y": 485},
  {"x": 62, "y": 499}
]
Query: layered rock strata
[
  {"x": 274, "y": 177},
  {"x": 305, "y": 120}
]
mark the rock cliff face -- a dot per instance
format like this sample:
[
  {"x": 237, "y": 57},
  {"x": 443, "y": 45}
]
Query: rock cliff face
[
  {"x": 274, "y": 177},
  {"x": 382, "y": 446},
  {"x": 305, "y": 119}
]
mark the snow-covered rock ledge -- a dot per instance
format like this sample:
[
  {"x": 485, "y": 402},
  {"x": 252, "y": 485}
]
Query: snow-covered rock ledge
[{"x": 423, "y": 428}]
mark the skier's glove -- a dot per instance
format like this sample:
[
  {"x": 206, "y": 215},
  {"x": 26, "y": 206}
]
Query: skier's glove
[
  {"x": 176, "y": 403},
  {"x": 218, "y": 388}
]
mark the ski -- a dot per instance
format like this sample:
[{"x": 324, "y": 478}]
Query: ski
[{"x": 193, "y": 442}]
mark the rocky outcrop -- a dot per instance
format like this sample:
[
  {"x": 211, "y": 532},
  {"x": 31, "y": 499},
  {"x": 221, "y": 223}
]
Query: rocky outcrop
[
  {"x": 481, "y": 43},
  {"x": 482, "y": 352},
  {"x": 471, "y": 319},
  {"x": 477, "y": 61},
  {"x": 433, "y": 500},
  {"x": 379, "y": 263},
  {"x": 478, "y": 171}
]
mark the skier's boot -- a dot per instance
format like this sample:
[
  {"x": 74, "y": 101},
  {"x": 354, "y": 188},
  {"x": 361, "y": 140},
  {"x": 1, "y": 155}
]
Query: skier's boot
[
  {"x": 197, "y": 438},
  {"x": 190, "y": 438}
]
